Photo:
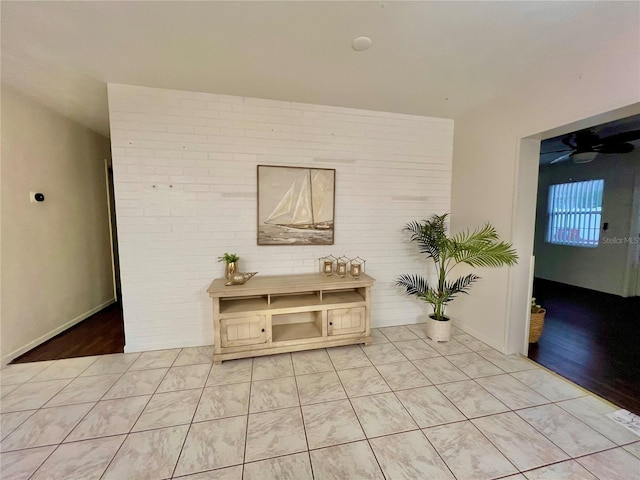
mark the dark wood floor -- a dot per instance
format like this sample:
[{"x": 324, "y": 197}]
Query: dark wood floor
[
  {"x": 593, "y": 339},
  {"x": 99, "y": 334}
]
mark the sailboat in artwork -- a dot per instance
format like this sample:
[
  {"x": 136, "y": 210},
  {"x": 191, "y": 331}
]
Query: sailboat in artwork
[{"x": 307, "y": 204}]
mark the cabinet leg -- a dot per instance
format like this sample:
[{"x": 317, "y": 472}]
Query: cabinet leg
[
  {"x": 367, "y": 341},
  {"x": 217, "y": 360}
]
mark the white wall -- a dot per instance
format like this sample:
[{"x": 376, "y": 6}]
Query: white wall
[
  {"x": 602, "y": 268},
  {"x": 185, "y": 185},
  {"x": 56, "y": 260},
  {"x": 495, "y": 173}
]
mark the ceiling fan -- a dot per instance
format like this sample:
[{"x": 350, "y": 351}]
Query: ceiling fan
[{"x": 585, "y": 145}]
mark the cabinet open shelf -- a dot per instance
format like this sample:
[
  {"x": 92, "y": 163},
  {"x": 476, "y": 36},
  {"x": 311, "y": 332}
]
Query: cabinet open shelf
[{"x": 289, "y": 313}]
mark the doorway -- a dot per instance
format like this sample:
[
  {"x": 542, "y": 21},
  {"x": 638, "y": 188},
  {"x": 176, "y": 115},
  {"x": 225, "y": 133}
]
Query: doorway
[{"x": 586, "y": 259}]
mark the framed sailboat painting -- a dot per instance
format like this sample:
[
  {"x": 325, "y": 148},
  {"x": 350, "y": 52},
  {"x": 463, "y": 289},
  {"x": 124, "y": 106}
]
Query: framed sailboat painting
[{"x": 295, "y": 205}]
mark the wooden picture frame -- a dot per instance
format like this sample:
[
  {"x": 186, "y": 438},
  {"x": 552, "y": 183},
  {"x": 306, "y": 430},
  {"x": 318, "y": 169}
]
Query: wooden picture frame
[{"x": 296, "y": 205}]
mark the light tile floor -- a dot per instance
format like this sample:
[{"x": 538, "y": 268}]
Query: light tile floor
[{"x": 404, "y": 407}]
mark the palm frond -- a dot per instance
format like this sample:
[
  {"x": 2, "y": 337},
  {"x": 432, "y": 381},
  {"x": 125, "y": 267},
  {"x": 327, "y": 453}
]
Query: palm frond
[
  {"x": 482, "y": 248},
  {"x": 429, "y": 235},
  {"x": 414, "y": 284},
  {"x": 460, "y": 285}
]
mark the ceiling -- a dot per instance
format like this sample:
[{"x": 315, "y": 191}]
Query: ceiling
[
  {"x": 438, "y": 59},
  {"x": 552, "y": 148}
]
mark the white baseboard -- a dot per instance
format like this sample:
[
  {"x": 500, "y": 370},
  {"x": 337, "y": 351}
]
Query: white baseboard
[{"x": 16, "y": 353}]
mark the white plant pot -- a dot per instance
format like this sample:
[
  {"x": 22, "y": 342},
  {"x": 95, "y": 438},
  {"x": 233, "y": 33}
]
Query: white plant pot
[{"x": 439, "y": 331}]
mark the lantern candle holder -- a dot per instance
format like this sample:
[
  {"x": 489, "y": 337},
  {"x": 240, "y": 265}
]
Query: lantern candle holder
[
  {"x": 356, "y": 267},
  {"x": 341, "y": 266},
  {"x": 327, "y": 265}
]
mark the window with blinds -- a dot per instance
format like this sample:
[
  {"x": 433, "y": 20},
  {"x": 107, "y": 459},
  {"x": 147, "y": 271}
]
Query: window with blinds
[{"x": 574, "y": 213}]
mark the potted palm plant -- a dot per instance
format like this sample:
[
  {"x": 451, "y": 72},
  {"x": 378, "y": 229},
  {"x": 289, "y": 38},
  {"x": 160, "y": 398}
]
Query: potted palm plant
[{"x": 480, "y": 248}]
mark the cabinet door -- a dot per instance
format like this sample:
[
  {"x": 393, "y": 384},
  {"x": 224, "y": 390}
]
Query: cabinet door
[
  {"x": 346, "y": 320},
  {"x": 243, "y": 331}
]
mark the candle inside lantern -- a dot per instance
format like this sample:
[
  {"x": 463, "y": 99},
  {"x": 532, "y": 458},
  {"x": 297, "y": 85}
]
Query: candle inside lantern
[
  {"x": 342, "y": 269},
  {"x": 356, "y": 270},
  {"x": 328, "y": 268}
]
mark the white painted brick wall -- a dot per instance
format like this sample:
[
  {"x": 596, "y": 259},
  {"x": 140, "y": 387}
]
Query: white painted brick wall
[{"x": 185, "y": 184}]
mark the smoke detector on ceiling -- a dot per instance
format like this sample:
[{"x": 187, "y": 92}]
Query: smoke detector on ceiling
[{"x": 359, "y": 44}]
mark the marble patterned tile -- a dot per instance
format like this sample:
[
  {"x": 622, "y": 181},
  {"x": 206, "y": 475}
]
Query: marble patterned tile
[
  {"x": 523, "y": 446},
  {"x": 565, "y": 430},
  {"x": 402, "y": 375},
  {"x": 21, "y": 464},
  {"x": 377, "y": 337},
  {"x": 593, "y": 412},
  {"x": 350, "y": 461},
  {"x": 409, "y": 456},
  {"x": 223, "y": 401},
  {"x": 86, "y": 460},
  {"x": 633, "y": 448},
  {"x": 272, "y": 366},
  {"x": 229, "y": 473},
  {"x": 439, "y": 370},
  {"x": 45, "y": 427},
  {"x": 114, "y": 363},
  {"x": 141, "y": 382},
  {"x": 473, "y": 365},
  {"x": 429, "y": 407},
  {"x": 231, "y": 371},
  {"x": 351, "y": 356},
  {"x": 12, "y": 420},
  {"x": 194, "y": 355},
  {"x": 6, "y": 389},
  {"x": 205, "y": 450},
  {"x": 508, "y": 363},
  {"x": 511, "y": 392},
  {"x": 185, "y": 377},
  {"x": 451, "y": 347},
  {"x": 30, "y": 396},
  {"x": 467, "y": 452},
  {"x": 272, "y": 394},
  {"x": 362, "y": 381},
  {"x": 296, "y": 467},
  {"x": 66, "y": 368},
  {"x": 83, "y": 390},
  {"x": 382, "y": 414},
  {"x": 548, "y": 385},
  {"x": 311, "y": 361},
  {"x": 418, "y": 329},
  {"x": 320, "y": 387},
  {"x": 109, "y": 417},
  {"x": 331, "y": 423},
  {"x": 275, "y": 433},
  {"x": 168, "y": 409},
  {"x": 398, "y": 334},
  {"x": 471, "y": 342},
  {"x": 613, "y": 464},
  {"x": 416, "y": 349},
  {"x": 148, "y": 455},
  {"x": 471, "y": 399},
  {"x": 569, "y": 470},
  {"x": 384, "y": 353},
  {"x": 155, "y": 359},
  {"x": 22, "y": 372}
]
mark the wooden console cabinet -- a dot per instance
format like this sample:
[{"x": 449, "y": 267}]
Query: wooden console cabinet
[{"x": 288, "y": 313}]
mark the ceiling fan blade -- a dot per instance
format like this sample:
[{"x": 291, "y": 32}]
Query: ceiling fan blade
[
  {"x": 556, "y": 151},
  {"x": 615, "y": 148},
  {"x": 622, "y": 137},
  {"x": 561, "y": 158}
]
